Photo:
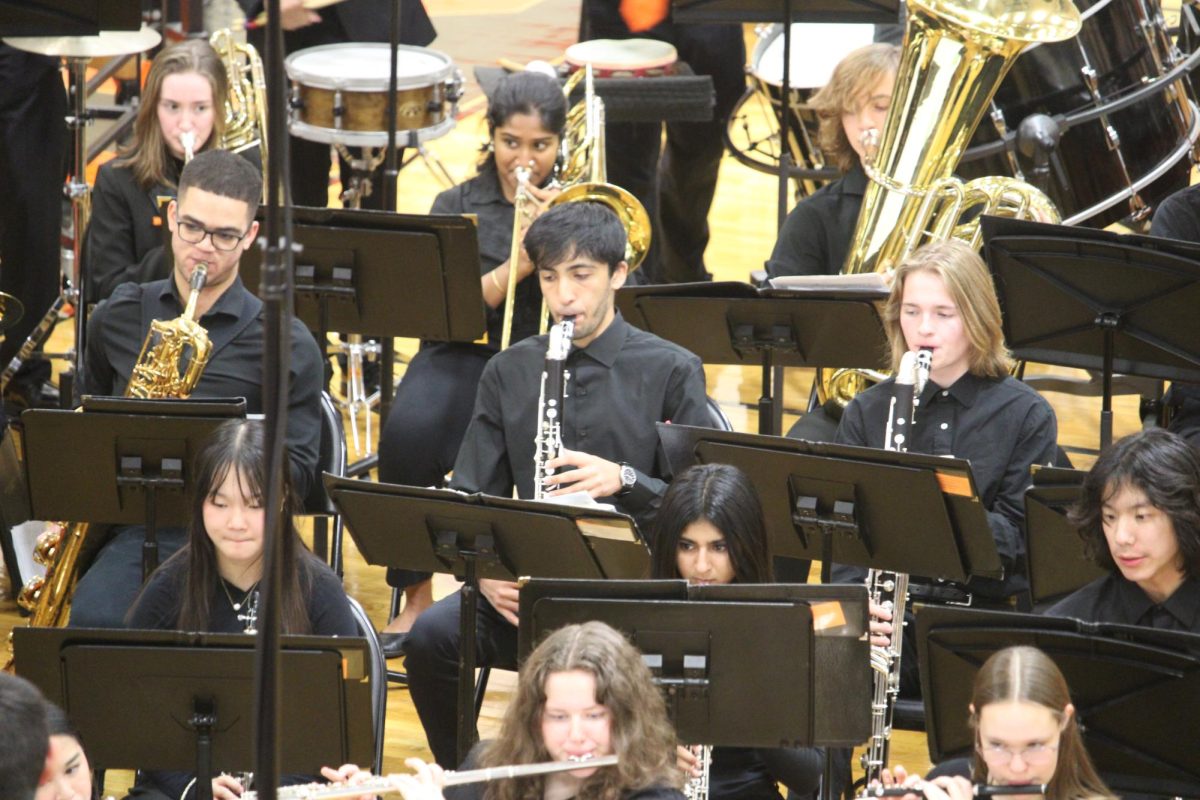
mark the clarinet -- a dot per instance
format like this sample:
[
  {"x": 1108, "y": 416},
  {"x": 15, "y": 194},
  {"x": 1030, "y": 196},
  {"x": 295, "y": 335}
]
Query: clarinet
[
  {"x": 697, "y": 788},
  {"x": 887, "y": 588},
  {"x": 547, "y": 444}
]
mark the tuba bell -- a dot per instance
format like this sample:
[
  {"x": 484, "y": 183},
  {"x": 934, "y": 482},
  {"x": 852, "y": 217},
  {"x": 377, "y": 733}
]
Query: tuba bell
[{"x": 955, "y": 54}]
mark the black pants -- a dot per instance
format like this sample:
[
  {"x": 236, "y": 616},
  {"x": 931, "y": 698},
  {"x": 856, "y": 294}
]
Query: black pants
[
  {"x": 678, "y": 190},
  {"x": 431, "y": 658},
  {"x": 109, "y": 587},
  {"x": 427, "y": 420},
  {"x": 33, "y": 146}
]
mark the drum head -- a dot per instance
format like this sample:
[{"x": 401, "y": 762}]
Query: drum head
[
  {"x": 359, "y": 66},
  {"x": 816, "y": 49},
  {"x": 621, "y": 54}
]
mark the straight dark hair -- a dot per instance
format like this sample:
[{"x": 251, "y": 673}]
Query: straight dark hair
[
  {"x": 225, "y": 174},
  {"x": 23, "y": 737},
  {"x": 59, "y": 724},
  {"x": 524, "y": 93},
  {"x": 1162, "y": 466},
  {"x": 237, "y": 445},
  {"x": 723, "y": 495},
  {"x": 576, "y": 230}
]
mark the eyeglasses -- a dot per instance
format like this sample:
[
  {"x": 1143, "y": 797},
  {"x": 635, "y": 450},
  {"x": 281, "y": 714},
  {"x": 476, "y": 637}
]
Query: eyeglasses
[
  {"x": 1000, "y": 755},
  {"x": 192, "y": 233}
]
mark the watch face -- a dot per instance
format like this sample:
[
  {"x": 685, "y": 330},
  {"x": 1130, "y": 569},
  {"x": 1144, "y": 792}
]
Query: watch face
[{"x": 628, "y": 476}]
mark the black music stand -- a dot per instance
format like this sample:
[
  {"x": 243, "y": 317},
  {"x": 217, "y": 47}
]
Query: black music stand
[
  {"x": 1130, "y": 687},
  {"x": 1096, "y": 300},
  {"x": 839, "y": 615},
  {"x": 68, "y": 17},
  {"x": 735, "y": 323},
  {"x": 479, "y": 536},
  {"x": 885, "y": 12},
  {"x": 166, "y": 700},
  {"x": 382, "y": 274},
  {"x": 128, "y": 460},
  {"x": 908, "y": 512},
  {"x": 1054, "y": 555}
]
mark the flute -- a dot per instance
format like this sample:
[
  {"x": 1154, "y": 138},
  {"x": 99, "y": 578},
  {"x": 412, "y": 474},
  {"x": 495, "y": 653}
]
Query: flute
[
  {"x": 385, "y": 785},
  {"x": 978, "y": 790}
]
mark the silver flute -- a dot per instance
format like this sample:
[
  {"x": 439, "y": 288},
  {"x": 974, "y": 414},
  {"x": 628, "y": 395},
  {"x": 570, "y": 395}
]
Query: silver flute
[{"x": 387, "y": 784}]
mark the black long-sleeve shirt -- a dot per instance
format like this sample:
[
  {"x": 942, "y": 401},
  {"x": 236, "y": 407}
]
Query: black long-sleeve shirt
[
  {"x": 125, "y": 239},
  {"x": 1117, "y": 600},
  {"x": 815, "y": 237},
  {"x": 1001, "y": 426},
  {"x": 118, "y": 326},
  {"x": 621, "y": 384}
]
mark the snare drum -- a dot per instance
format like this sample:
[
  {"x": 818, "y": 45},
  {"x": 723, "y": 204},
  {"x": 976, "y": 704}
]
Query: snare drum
[
  {"x": 623, "y": 58},
  {"x": 339, "y": 94}
]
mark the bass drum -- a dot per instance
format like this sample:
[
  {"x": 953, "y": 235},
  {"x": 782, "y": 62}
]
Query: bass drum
[
  {"x": 1120, "y": 164},
  {"x": 753, "y": 130}
]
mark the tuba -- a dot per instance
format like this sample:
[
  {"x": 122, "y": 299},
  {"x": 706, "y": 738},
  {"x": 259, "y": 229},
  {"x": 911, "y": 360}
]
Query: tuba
[
  {"x": 955, "y": 54},
  {"x": 246, "y": 104},
  {"x": 172, "y": 358}
]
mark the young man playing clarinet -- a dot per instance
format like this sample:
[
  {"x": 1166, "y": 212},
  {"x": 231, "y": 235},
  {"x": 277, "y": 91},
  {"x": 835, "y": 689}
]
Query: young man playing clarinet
[{"x": 622, "y": 382}]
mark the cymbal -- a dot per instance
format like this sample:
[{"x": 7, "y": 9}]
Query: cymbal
[
  {"x": 11, "y": 311},
  {"x": 108, "y": 43}
]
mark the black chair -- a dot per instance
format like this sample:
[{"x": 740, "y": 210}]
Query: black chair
[
  {"x": 716, "y": 416},
  {"x": 377, "y": 672},
  {"x": 332, "y": 459}
]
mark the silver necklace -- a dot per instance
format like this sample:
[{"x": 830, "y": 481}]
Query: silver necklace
[{"x": 249, "y": 618}]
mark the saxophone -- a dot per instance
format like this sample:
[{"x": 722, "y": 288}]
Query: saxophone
[
  {"x": 890, "y": 589},
  {"x": 173, "y": 355},
  {"x": 547, "y": 444}
]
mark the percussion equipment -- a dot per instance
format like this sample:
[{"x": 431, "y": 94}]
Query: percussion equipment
[
  {"x": 623, "y": 58},
  {"x": 752, "y": 132},
  {"x": 106, "y": 43},
  {"x": 1122, "y": 162},
  {"x": 11, "y": 311},
  {"x": 339, "y": 94}
]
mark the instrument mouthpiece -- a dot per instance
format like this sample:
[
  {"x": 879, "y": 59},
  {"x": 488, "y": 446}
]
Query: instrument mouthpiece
[{"x": 906, "y": 375}]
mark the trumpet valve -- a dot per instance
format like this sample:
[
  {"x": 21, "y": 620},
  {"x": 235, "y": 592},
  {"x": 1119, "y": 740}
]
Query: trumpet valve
[{"x": 45, "y": 549}]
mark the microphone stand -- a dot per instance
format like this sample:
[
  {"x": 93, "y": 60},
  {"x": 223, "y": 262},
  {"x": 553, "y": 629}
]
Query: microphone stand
[
  {"x": 391, "y": 172},
  {"x": 276, "y": 292}
]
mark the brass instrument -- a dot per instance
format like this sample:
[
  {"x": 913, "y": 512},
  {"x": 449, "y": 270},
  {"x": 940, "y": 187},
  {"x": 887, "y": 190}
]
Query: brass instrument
[
  {"x": 585, "y": 172},
  {"x": 246, "y": 105},
  {"x": 514, "y": 254},
  {"x": 886, "y": 588},
  {"x": 173, "y": 356},
  {"x": 388, "y": 785},
  {"x": 955, "y": 54}
]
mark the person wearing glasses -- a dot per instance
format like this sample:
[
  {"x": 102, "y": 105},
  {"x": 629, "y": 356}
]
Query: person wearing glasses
[
  {"x": 1026, "y": 732},
  {"x": 211, "y": 222}
]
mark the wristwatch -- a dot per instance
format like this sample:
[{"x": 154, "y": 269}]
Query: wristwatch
[{"x": 628, "y": 478}]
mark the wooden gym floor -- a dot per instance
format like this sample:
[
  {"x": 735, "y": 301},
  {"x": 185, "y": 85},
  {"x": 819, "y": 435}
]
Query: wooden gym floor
[{"x": 742, "y": 222}]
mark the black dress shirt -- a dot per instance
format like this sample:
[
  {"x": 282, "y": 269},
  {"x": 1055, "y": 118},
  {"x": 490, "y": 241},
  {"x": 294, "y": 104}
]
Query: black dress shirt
[
  {"x": 483, "y": 197},
  {"x": 1001, "y": 426},
  {"x": 620, "y": 385},
  {"x": 125, "y": 237},
  {"x": 1117, "y": 600},
  {"x": 353, "y": 21},
  {"x": 815, "y": 237},
  {"x": 118, "y": 326}
]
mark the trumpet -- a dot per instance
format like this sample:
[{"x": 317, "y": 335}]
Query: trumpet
[
  {"x": 978, "y": 790},
  {"x": 389, "y": 785},
  {"x": 188, "y": 140}
]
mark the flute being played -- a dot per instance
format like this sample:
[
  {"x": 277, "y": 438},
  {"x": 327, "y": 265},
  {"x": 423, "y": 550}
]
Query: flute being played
[{"x": 978, "y": 790}]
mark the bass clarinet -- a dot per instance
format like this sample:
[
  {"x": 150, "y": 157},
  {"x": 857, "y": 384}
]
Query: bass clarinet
[
  {"x": 886, "y": 588},
  {"x": 547, "y": 444}
]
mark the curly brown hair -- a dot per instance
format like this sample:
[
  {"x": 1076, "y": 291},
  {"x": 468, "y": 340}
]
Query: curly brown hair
[
  {"x": 854, "y": 74},
  {"x": 1026, "y": 674},
  {"x": 642, "y": 736}
]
